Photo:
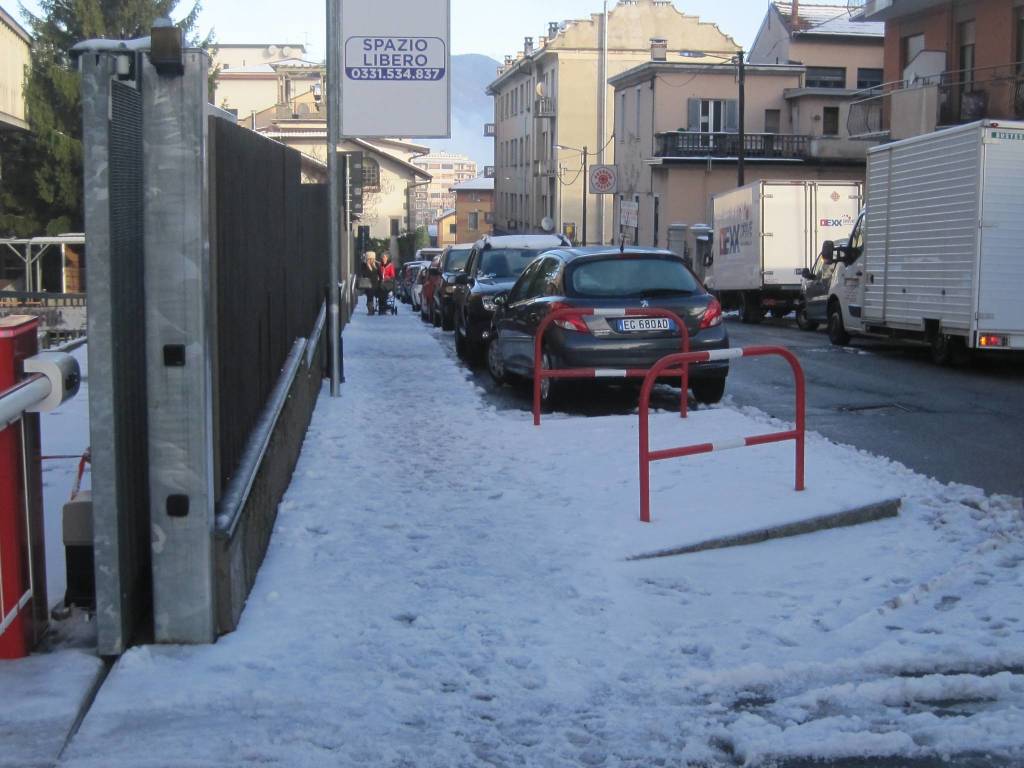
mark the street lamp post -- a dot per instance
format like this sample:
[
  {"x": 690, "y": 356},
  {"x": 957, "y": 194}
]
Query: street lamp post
[{"x": 741, "y": 78}]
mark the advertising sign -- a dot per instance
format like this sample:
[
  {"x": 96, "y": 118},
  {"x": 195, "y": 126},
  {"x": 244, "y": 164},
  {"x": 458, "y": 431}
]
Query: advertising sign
[
  {"x": 629, "y": 214},
  {"x": 396, "y": 64},
  {"x": 604, "y": 180}
]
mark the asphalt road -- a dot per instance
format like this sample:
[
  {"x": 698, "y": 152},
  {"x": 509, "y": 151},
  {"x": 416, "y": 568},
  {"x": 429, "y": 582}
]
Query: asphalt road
[{"x": 956, "y": 424}]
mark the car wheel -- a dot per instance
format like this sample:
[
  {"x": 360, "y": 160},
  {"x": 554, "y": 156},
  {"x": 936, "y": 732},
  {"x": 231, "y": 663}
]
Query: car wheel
[
  {"x": 435, "y": 315},
  {"x": 461, "y": 343},
  {"x": 750, "y": 309},
  {"x": 836, "y": 330},
  {"x": 495, "y": 364},
  {"x": 708, "y": 391},
  {"x": 549, "y": 388},
  {"x": 448, "y": 320},
  {"x": 803, "y": 322}
]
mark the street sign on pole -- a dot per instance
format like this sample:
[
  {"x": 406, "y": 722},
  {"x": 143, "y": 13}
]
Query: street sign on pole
[
  {"x": 396, "y": 58},
  {"x": 629, "y": 214},
  {"x": 604, "y": 180}
]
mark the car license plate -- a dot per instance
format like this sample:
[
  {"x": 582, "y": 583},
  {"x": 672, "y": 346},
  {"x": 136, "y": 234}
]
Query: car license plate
[{"x": 633, "y": 324}]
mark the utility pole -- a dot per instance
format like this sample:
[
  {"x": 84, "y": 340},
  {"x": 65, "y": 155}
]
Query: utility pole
[
  {"x": 602, "y": 113},
  {"x": 741, "y": 154},
  {"x": 334, "y": 212},
  {"x": 585, "y": 179}
]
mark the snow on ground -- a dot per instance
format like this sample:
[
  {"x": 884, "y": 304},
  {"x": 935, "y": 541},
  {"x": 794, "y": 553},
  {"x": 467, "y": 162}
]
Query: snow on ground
[{"x": 446, "y": 587}]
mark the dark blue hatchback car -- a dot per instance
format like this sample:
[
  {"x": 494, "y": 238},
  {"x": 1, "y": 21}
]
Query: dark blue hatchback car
[{"x": 603, "y": 278}]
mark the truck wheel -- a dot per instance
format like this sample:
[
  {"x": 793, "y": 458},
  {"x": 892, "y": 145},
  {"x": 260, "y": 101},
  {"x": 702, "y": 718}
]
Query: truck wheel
[
  {"x": 804, "y": 323},
  {"x": 949, "y": 350},
  {"x": 836, "y": 330},
  {"x": 708, "y": 391},
  {"x": 750, "y": 308}
]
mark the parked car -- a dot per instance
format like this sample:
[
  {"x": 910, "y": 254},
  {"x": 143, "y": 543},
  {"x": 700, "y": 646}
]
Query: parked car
[
  {"x": 453, "y": 264},
  {"x": 406, "y": 279},
  {"x": 416, "y": 289},
  {"x": 430, "y": 282},
  {"x": 607, "y": 278},
  {"x": 493, "y": 266}
]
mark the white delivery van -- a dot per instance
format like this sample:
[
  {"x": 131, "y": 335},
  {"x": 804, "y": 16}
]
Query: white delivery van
[
  {"x": 767, "y": 233},
  {"x": 938, "y": 255}
]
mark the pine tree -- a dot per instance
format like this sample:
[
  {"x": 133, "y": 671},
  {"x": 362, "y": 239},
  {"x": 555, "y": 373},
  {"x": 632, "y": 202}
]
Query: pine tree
[{"x": 41, "y": 184}]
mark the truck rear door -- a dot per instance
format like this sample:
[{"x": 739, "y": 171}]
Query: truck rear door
[
  {"x": 785, "y": 216},
  {"x": 1001, "y": 268}
]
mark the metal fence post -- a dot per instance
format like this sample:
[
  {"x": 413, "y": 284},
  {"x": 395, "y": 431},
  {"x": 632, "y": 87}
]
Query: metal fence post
[{"x": 179, "y": 333}]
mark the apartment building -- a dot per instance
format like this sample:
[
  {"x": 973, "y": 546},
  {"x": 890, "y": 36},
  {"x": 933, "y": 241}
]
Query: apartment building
[
  {"x": 946, "y": 62},
  {"x": 15, "y": 47},
  {"x": 677, "y": 139},
  {"x": 446, "y": 170},
  {"x": 474, "y": 209},
  {"x": 547, "y": 106},
  {"x": 251, "y": 78},
  {"x": 840, "y": 56}
]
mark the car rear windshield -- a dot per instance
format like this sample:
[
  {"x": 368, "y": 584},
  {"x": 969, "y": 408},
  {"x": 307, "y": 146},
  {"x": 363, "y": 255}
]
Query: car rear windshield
[
  {"x": 456, "y": 260},
  {"x": 631, "y": 277},
  {"x": 507, "y": 262}
]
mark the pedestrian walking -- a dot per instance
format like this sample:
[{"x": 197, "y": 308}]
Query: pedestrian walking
[
  {"x": 387, "y": 281},
  {"x": 369, "y": 280}
]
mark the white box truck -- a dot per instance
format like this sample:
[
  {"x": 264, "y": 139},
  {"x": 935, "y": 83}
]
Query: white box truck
[
  {"x": 767, "y": 233},
  {"x": 938, "y": 254}
]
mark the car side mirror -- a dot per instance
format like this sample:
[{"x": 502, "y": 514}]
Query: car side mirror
[
  {"x": 828, "y": 251},
  {"x": 806, "y": 274}
]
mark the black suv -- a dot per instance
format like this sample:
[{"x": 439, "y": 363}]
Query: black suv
[
  {"x": 453, "y": 264},
  {"x": 494, "y": 264}
]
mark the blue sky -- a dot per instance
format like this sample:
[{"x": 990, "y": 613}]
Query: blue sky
[{"x": 491, "y": 27}]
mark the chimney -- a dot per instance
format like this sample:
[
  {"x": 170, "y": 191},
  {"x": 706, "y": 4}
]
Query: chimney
[
  {"x": 543, "y": 41},
  {"x": 795, "y": 20},
  {"x": 527, "y": 46},
  {"x": 552, "y": 30},
  {"x": 659, "y": 49}
]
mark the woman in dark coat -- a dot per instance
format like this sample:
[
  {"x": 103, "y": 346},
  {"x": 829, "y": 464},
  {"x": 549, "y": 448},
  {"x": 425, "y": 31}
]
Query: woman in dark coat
[{"x": 370, "y": 279}]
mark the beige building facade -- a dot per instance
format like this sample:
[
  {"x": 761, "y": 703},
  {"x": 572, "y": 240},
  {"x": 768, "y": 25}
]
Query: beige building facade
[
  {"x": 447, "y": 228},
  {"x": 841, "y": 57},
  {"x": 547, "y": 104},
  {"x": 15, "y": 48},
  {"x": 253, "y": 78},
  {"x": 446, "y": 170},
  {"x": 671, "y": 163}
]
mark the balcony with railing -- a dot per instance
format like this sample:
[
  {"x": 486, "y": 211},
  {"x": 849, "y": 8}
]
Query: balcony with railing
[
  {"x": 756, "y": 146},
  {"x": 908, "y": 108},
  {"x": 544, "y": 107}
]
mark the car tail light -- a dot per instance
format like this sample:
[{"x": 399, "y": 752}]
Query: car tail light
[
  {"x": 989, "y": 340},
  {"x": 712, "y": 315},
  {"x": 570, "y": 322}
]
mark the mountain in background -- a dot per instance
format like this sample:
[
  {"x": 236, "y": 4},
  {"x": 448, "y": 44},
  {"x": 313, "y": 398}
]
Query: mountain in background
[{"x": 471, "y": 108}]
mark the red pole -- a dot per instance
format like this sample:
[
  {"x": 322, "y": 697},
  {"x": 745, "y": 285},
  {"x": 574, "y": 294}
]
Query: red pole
[{"x": 645, "y": 446}]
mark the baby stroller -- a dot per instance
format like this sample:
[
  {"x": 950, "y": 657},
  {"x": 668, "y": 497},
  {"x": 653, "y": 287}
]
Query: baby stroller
[{"x": 387, "y": 300}]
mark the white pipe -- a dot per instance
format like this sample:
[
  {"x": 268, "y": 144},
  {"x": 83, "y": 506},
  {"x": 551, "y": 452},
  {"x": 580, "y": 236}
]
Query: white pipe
[
  {"x": 602, "y": 119},
  {"x": 22, "y": 397}
]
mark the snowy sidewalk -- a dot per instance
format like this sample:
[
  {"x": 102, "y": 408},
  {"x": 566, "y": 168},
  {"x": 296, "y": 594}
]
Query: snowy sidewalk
[{"x": 445, "y": 587}]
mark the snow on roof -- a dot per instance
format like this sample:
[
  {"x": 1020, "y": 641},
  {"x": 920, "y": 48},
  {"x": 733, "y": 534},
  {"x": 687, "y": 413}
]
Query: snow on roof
[
  {"x": 829, "y": 20},
  {"x": 477, "y": 184}
]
